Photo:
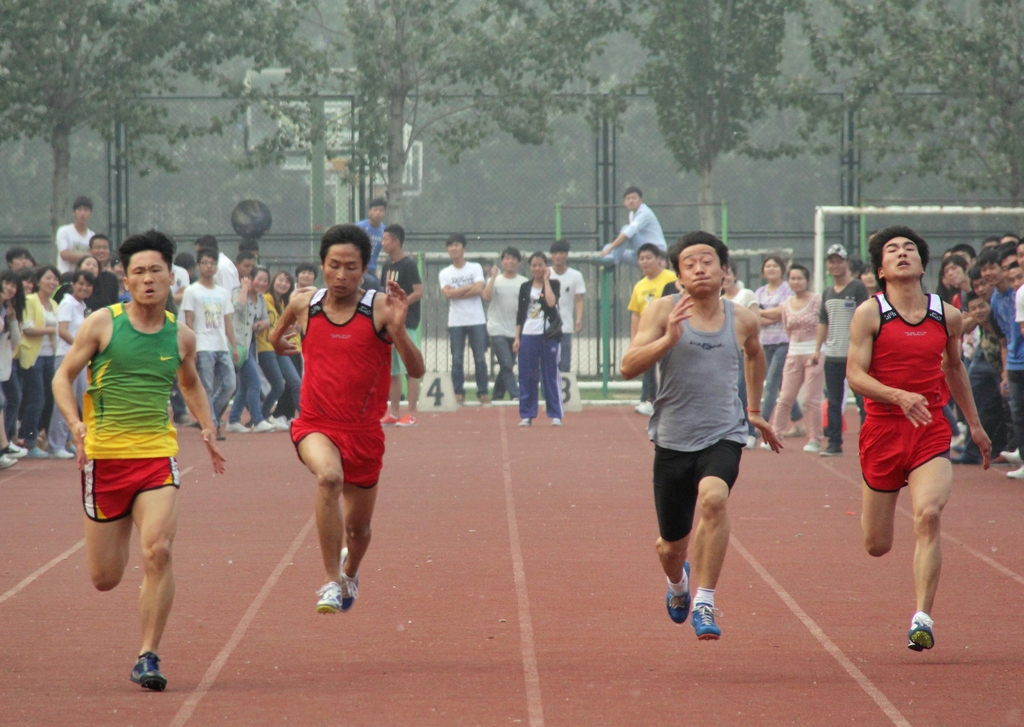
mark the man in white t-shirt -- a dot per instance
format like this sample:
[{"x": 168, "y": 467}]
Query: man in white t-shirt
[
  {"x": 73, "y": 239},
  {"x": 70, "y": 314},
  {"x": 462, "y": 283},
  {"x": 502, "y": 292},
  {"x": 207, "y": 309},
  {"x": 570, "y": 299},
  {"x": 226, "y": 274}
]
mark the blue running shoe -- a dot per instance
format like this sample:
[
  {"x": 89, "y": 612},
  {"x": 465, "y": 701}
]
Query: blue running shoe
[
  {"x": 147, "y": 672},
  {"x": 679, "y": 606},
  {"x": 920, "y": 635},
  {"x": 349, "y": 586},
  {"x": 703, "y": 621}
]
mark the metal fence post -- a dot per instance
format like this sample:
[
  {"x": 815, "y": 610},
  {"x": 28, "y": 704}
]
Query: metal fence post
[
  {"x": 606, "y": 328},
  {"x": 558, "y": 220},
  {"x": 317, "y": 203},
  {"x": 725, "y": 222}
]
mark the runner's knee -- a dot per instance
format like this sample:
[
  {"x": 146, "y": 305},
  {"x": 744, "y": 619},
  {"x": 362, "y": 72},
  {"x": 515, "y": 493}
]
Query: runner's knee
[
  {"x": 669, "y": 549},
  {"x": 877, "y": 545},
  {"x": 156, "y": 554},
  {"x": 358, "y": 533},
  {"x": 106, "y": 580},
  {"x": 712, "y": 504},
  {"x": 331, "y": 480},
  {"x": 926, "y": 519}
]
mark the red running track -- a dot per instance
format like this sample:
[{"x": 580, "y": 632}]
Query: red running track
[{"x": 512, "y": 580}]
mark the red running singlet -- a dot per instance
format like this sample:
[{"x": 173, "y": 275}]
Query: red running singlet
[
  {"x": 347, "y": 368},
  {"x": 908, "y": 356}
]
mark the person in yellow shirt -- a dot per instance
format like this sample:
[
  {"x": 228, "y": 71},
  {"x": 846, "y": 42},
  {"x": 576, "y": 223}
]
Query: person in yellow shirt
[
  {"x": 266, "y": 356},
  {"x": 651, "y": 260}
]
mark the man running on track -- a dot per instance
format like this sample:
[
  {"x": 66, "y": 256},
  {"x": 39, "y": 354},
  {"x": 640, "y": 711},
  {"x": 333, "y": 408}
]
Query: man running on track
[
  {"x": 698, "y": 339},
  {"x": 126, "y": 443},
  {"x": 905, "y": 360},
  {"x": 346, "y": 348}
]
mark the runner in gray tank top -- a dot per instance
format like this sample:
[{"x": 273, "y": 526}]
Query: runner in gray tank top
[{"x": 698, "y": 427}]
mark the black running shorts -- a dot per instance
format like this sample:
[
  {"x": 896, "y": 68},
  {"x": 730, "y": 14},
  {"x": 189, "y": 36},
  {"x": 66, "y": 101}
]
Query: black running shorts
[{"x": 677, "y": 476}]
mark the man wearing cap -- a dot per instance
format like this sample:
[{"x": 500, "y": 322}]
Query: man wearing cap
[
  {"x": 73, "y": 239},
  {"x": 838, "y": 303}
]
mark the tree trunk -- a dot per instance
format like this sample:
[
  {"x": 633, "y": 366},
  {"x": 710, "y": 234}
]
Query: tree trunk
[
  {"x": 705, "y": 198},
  {"x": 396, "y": 155},
  {"x": 61, "y": 145}
]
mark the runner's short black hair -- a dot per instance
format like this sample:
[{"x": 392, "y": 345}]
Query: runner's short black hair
[
  {"x": 148, "y": 240},
  {"x": 876, "y": 244},
  {"x": 347, "y": 234},
  {"x": 699, "y": 237},
  {"x": 560, "y": 246},
  {"x": 397, "y": 232}
]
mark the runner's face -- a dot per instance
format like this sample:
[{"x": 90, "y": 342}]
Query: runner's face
[
  {"x": 797, "y": 282},
  {"x": 700, "y": 271},
  {"x": 901, "y": 260},
  {"x": 148, "y": 278},
  {"x": 343, "y": 270}
]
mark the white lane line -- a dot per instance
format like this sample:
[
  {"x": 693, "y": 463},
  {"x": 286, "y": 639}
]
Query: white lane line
[
  {"x": 236, "y": 637},
  {"x": 534, "y": 705},
  {"x": 945, "y": 536},
  {"x": 858, "y": 676},
  {"x": 62, "y": 557}
]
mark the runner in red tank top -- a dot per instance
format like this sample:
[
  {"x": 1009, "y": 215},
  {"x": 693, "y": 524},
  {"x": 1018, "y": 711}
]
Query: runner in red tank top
[
  {"x": 346, "y": 349},
  {"x": 905, "y": 360}
]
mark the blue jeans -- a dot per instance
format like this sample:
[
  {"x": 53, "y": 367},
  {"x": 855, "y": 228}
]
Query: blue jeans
[
  {"x": 506, "y": 381},
  {"x": 985, "y": 387},
  {"x": 217, "y": 372},
  {"x": 37, "y": 397},
  {"x": 624, "y": 253},
  {"x": 565, "y": 362},
  {"x": 279, "y": 375},
  {"x": 247, "y": 396},
  {"x": 478, "y": 343},
  {"x": 538, "y": 360},
  {"x": 288, "y": 404},
  {"x": 12, "y": 410},
  {"x": 58, "y": 432},
  {"x": 775, "y": 353}
]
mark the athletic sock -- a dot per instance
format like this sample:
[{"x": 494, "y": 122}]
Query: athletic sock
[
  {"x": 921, "y": 618},
  {"x": 705, "y": 595},
  {"x": 680, "y": 588}
]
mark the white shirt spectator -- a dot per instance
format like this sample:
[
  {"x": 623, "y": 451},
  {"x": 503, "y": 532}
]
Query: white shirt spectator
[
  {"x": 464, "y": 311},
  {"x": 227, "y": 275},
  {"x": 181, "y": 279},
  {"x": 644, "y": 227},
  {"x": 68, "y": 238},
  {"x": 572, "y": 284},
  {"x": 208, "y": 307},
  {"x": 70, "y": 311},
  {"x": 502, "y": 310}
]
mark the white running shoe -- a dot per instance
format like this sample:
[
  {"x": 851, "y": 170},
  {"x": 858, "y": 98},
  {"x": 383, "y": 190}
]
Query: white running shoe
[
  {"x": 236, "y": 428},
  {"x": 751, "y": 442},
  {"x": 283, "y": 424},
  {"x": 264, "y": 426},
  {"x": 812, "y": 447},
  {"x": 6, "y": 461},
  {"x": 1017, "y": 474},
  {"x": 556, "y": 422},
  {"x": 330, "y": 598},
  {"x": 1013, "y": 457},
  {"x": 62, "y": 454},
  {"x": 644, "y": 407}
]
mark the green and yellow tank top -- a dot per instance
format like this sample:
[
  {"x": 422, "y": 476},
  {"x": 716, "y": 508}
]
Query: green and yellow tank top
[{"x": 125, "y": 408}]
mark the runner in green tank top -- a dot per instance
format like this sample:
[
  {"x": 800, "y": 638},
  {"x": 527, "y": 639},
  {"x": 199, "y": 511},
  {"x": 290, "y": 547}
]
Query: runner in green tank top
[{"x": 126, "y": 445}]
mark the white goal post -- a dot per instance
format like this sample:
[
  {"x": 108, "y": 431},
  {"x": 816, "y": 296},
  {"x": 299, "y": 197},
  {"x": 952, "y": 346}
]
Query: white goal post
[{"x": 820, "y": 212}]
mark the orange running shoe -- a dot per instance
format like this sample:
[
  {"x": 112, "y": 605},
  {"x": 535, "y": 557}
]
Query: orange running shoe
[
  {"x": 389, "y": 419},
  {"x": 407, "y": 421}
]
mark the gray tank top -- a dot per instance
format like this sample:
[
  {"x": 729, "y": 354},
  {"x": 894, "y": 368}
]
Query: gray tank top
[{"x": 698, "y": 402}]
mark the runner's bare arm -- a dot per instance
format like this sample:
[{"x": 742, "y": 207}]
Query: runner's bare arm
[
  {"x": 960, "y": 385},
  {"x": 195, "y": 395},
  {"x": 296, "y": 312},
  {"x": 863, "y": 328},
  {"x": 93, "y": 336},
  {"x": 389, "y": 311},
  {"x": 755, "y": 367},
  {"x": 661, "y": 327}
]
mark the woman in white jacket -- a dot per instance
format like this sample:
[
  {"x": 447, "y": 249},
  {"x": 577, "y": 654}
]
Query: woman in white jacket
[{"x": 12, "y": 302}]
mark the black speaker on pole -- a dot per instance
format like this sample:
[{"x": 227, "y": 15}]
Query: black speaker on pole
[{"x": 251, "y": 219}]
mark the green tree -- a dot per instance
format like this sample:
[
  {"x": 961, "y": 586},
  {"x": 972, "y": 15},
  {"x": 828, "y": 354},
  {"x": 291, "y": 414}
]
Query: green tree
[
  {"x": 938, "y": 88},
  {"x": 72, "y": 64},
  {"x": 457, "y": 72},
  {"x": 714, "y": 69}
]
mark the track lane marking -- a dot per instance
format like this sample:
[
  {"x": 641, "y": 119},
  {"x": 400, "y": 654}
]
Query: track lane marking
[
  {"x": 193, "y": 699},
  {"x": 534, "y": 705},
  {"x": 858, "y": 676},
  {"x": 945, "y": 536},
  {"x": 56, "y": 561}
]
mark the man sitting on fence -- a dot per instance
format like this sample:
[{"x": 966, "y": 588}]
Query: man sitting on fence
[{"x": 643, "y": 228}]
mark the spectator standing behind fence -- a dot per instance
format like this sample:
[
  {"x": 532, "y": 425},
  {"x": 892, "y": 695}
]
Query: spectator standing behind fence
[
  {"x": 38, "y": 348},
  {"x": 402, "y": 269},
  {"x": 643, "y": 228},
  {"x": 985, "y": 371},
  {"x": 650, "y": 287},
  {"x": 570, "y": 300},
  {"x": 291, "y": 366},
  {"x": 267, "y": 357},
  {"x": 838, "y": 304},
  {"x": 305, "y": 275},
  {"x": 538, "y": 339},
  {"x": 227, "y": 272},
  {"x": 106, "y": 289},
  {"x": 73, "y": 240},
  {"x": 250, "y": 318},
  {"x": 462, "y": 283},
  {"x": 19, "y": 258},
  {"x": 11, "y": 309},
  {"x": 799, "y": 316},
  {"x": 771, "y": 298},
  {"x": 374, "y": 226},
  {"x": 502, "y": 294},
  {"x": 208, "y": 310},
  {"x": 70, "y": 314}
]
